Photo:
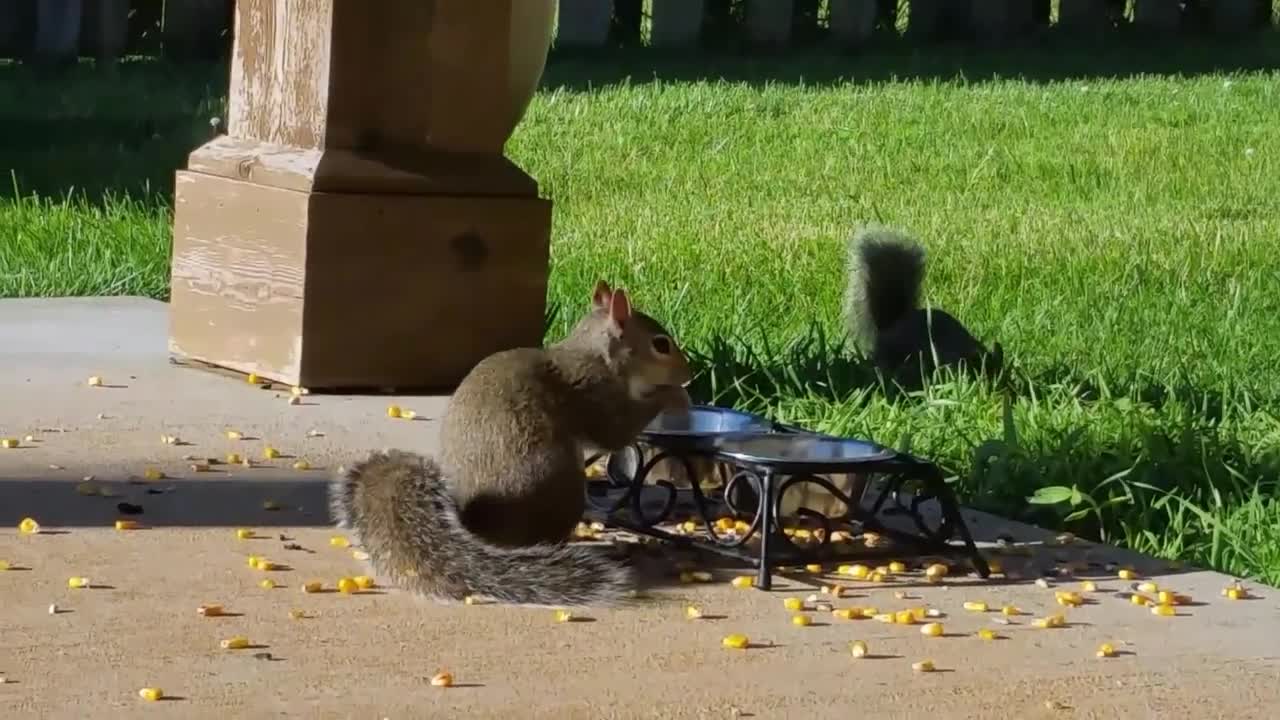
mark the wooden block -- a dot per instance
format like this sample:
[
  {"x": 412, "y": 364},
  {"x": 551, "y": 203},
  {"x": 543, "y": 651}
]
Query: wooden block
[
  {"x": 104, "y": 29},
  {"x": 676, "y": 24},
  {"x": 347, "y": 290},
  {"x": 769, "y": 23},
  {"x": 584, "y": 23},
  {"x": 853, "y": 22}
]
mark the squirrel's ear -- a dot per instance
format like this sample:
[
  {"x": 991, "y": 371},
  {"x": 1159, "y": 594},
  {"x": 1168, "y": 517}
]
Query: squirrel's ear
[
  {"x": 600, "y": 298},
  {"x": 619, "y": 308}
]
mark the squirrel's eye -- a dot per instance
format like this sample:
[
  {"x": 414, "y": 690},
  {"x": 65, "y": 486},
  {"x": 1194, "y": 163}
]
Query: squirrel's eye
[{"x": 662, "y": 345}]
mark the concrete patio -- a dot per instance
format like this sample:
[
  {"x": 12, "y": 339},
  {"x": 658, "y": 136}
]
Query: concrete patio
[{"x": 370, "y": 655}]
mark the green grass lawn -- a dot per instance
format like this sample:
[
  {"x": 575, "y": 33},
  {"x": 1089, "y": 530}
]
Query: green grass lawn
[{"x": 1116, "y": 231}]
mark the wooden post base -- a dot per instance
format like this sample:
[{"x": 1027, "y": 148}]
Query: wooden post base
[{"x": 349, "y": 290}]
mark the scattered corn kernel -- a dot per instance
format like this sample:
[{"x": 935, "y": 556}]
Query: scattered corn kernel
[
  {"x": 312, "y": 587},
  {"x": 932, "y": 629},
  {"x": 239, "y": 642},
  {"x": 28, "y": 526},
  {"x": 408, "y": 414},
  {"x": 870, "y": 612},
  {"x": 923, "y": 666},
  {"x": 904, "y": 617},
  {"x": 1106, "y": 650},
  {"x": 858, "y": 649},
  {"x": 1127, "y": 574},
  {"x": 918, "y": 614},
  {"x": 743, "y": 581},
  {"x": 270, "y": 453},
  {"x": 297, "y": 614},
  {"x": 688, "y": 526},
  {"x": 339, "y": 541},
  {"x": 801, "y": 620},
  {"x": 858, "y": 572},
  {"x": 54, "y": 609},
  {"x": 244, "y": 534},
  {"x": 1069, "y": 599},
  {"x": 95, "y": 381},
  {"x": 793, "y": 604},
  {"x": 813, "y": 568},
  {"x": 877, "y": 577},
  {"x": 1042, "y": 583},
  {"x": 394, "y": 411},
  {"x": 78, "y": 582},
  {"x": 126, "y": 524},
  {"x": 1148, "y": 587},
  {"x": 847, "y": 613},
  {"x": 359, "y": 555},
  {"x": 563, "y": 616},
  {"x": 443, "y": 679},
  {"x": 1236, "y": 593},
  {"x": 897, "y": 567},
  {"x": 933, "y": 613},
  {"x": 153, "y": 474},
  {"x": 302, "y": 465},
  {"x": 802, "y": 534},
  {"x": 267, "y": 584},
  {"x": 253, "y": 379},
  {"x": 1165, "y": 597},
  {"x": 151, "y": 694},
  {"x": 235, "y": 435},
  {"x": 937, "y": 570},
  {"x": 693, "y": 612},
  {"x": 4, "y": 565},
  {"x": 1164, "y": 610},
  {"x": 735, "y": 641},
  {"x": 899, "y": 595},
  {"x": 1010, "y": 610},
  {"x": 364, "y": 582},
  {"x": 1138, "y": 599},
  {"x": 347, "y": 585},
  {"x": 234, "y": 459},
  {"x": 209, "y": 610},
  {"x": 9, "y": 443},
  {"x": 976, "y": 607},
  {"x": 1089, "y": 586},
  {"x": 987, "y": 634}
]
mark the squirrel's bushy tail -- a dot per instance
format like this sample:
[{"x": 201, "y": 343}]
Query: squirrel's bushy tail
[
  {"x": 399, "y": 510},
  {"x": 885, "y": 273}
]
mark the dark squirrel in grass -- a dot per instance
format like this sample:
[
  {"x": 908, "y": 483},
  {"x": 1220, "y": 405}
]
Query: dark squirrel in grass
[
  {"x": 882, "y": 306},
  {"x": 492, "y": 517}
]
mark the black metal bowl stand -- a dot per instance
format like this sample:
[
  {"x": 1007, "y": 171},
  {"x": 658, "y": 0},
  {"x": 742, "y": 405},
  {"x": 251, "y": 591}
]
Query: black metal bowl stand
[{"x": 897, "y": 485}]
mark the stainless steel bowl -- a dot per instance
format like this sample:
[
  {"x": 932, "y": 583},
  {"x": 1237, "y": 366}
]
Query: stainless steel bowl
[{"x": 705, "y": 421}]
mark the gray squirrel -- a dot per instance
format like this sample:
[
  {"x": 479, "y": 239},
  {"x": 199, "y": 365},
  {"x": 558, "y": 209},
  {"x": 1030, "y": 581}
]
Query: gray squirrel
[
  {"x": 492, "y": 516},
  {"x": 903, "y": 340}
]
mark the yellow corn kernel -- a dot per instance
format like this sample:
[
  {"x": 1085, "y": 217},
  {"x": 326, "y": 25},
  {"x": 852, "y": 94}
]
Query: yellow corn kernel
[
  {"x": 724, "y": 524},
  {"x": 693, "y": 612},
  {"x": 736, "y": 641},
  {"x": 813, "y": 568},
  {"x": 876, "y": 577},
  {"x": 253, "y": 379},
  {"x": 904, "y": 617},
  {"x": 897, "y": 567},
  {"x": 245, "y": 534},
  {"x": 937, "y": 570},
  {"x": 151, "y": 694},
  {"x": 743, "y": 581},
  {"x": 858, "y": 649},
  {"x": 1138, "y": 599},
  {"x": 871, "y": 538},
  {"x": 9, "y": 443},
  {"x": 1010, "y": 610},
  {"x": 1148, "y": 587},
  {"x": 870, "y": 612},
  {"x": 882, "y": 569},
  {"x": 1106, "y": 650},
  {"x": 210, "y": 610},
  {"x": 95, "y": 381},
  {"x": 4, "y": 565},
  {"x": 407, "y": 414},
  {"x": 312, "y": 587},
  {"x": 153, "y": 474},
  {"x": 687, "y": 526},
  {"x": 270, "y": 453},
  {"x": 235, "y": 435},
  {"x": 995, "y": 566},
  {"x": 302, "y": 465},
  {"x": 918, "y": 614},
  {"x": 1057, "y": 620},
  {"x": 297, "y": 614},
  {"x": 1127, "y": 574},
  {"x": 793, "y": 604},
  {"x": 1165, "y": 597},
  {"x": 802, "y": 534},
  {"x": 563, "y": 616},
  {"x": 1164, "y": 610},
  {"x": 127, "y": 525},
  {"x": 78, "y": 582},
  {"x": 347, "y": 585},
  {"x": 987, "y": 634},
  {"x": 933, "y": 612},
  {"x": 1041, "y": 623},
  {"x": 234, "y": 459},
  {"x": 364, "y": 582},
  {"x": 1089, "y": 586},
  {"x": 923, "y": 666},
  {"x": 884, "y": 617},
  {"x": 443, "y": 679},
  {"x": 1236, "y": 593},
  {"x": 394, "y": 411},
  {"x": 267, "y": 584},
  {"x": 29, "y": 526},
  {"x": 976, "y": 607},
  {"x": 847, "y": 613},
  {"x": 1069, "y": 599},
  {"x": 239, "y": 642},
  {"x": 339, "y": 541},
  {"x": 801, "y": 620},
  {"x": 933, "y": 629},
  {"x": 297, "y": 390},
  {"x": 858, "y": 572},
  {"x": 359, "y": 555}
]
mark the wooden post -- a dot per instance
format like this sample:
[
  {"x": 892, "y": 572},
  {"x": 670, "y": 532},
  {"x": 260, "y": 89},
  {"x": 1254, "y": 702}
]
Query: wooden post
[
  {"x": 359, "y": 226},
  {"x": 853, "y": 21},
  {"x": 769, "y": 23},
  {"x": 104, "y": 29},
  {"x": 676, "y": 24},
  {"x": 57, "y": 31},
  {"x": 584, "y": 23}
]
